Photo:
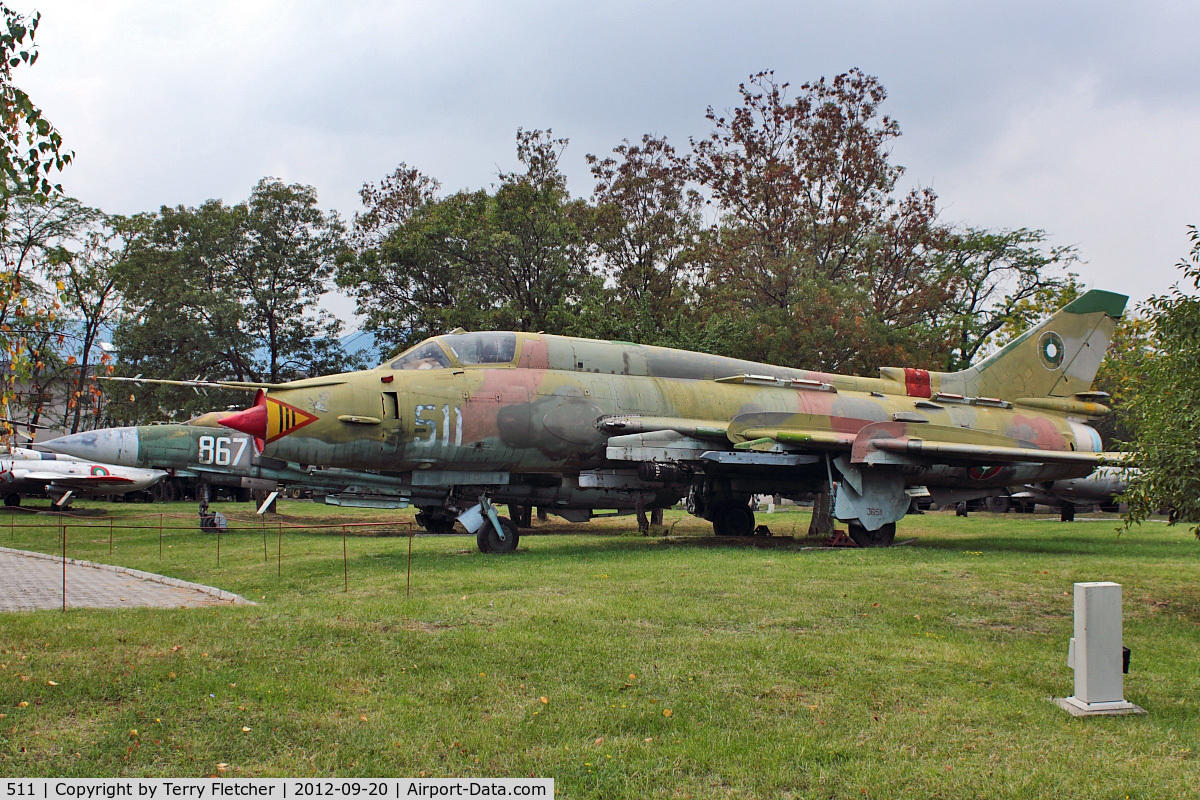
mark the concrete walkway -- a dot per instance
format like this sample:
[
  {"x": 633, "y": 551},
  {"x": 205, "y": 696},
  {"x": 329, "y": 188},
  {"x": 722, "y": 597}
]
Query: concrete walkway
[{"x": 31, "y": 581}]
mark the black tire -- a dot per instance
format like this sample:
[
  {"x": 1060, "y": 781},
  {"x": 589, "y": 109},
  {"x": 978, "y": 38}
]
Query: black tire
[
  {"x": 733, "y": 519},
  {"x": 12, "y": 500},
  {"x": 1067, "y": 512},
  {"x": 879, "y": 538},
  {"x": 489, "y": 542},
  {"x": 435, "y": 524},
  {"x": 960, "y": 510}
]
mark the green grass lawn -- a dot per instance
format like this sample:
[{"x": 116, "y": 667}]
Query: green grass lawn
[{"x": 619, "y": 665}]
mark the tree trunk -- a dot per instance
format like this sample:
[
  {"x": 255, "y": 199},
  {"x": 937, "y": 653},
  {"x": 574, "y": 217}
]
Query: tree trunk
[
  {"x": 822, "y": 516},
  {"x": 643, "y": 520}
]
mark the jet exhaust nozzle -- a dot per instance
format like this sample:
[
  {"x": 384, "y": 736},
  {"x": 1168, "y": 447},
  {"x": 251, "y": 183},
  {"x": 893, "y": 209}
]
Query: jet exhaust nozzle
[{"x": 252, "y": 421}]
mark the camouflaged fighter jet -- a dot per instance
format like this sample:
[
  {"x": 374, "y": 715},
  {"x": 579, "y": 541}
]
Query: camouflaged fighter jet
[
  {"x": 574, "y": 425},
  {"x": 217, "y": 456}
]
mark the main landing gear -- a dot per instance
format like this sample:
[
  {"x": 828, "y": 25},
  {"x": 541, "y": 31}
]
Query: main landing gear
[
  {"x": 731, "y": 518},
  {"x": 883, "y": 537}
]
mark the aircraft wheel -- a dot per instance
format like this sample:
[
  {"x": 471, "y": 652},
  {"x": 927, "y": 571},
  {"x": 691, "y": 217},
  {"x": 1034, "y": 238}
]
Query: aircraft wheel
[
  {"x": 12, "y": 500},
  {"x": 1067, "y": 514},
  {"x": 733, "y": 519},
  {"x": 880, "y": 538},
  {"x": 489, "y": 542},
  {"x": 960, "y": 510}
]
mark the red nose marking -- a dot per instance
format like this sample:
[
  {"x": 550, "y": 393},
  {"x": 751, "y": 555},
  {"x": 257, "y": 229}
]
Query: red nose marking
[{"x": 252, "y": 421}]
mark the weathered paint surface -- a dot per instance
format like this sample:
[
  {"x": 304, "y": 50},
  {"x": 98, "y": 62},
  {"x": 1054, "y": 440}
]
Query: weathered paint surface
[
  {"x": 585, "y": 422},
  {"x": 541, "y": 411}
]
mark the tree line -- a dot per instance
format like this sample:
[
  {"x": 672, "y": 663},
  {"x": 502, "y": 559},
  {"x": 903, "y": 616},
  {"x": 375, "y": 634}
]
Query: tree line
[{"x": 781, "y": 235}]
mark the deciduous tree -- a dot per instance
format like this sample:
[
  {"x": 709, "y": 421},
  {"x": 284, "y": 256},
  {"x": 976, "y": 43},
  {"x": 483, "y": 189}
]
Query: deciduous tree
[
  {"x": 1163, "y": 409},
  {"x": 229, "y": 292},
  {"x": 30, "y": 148}
]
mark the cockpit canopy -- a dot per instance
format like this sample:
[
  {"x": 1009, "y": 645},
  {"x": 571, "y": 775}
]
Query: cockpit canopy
[{"x": 459, "y": 349}]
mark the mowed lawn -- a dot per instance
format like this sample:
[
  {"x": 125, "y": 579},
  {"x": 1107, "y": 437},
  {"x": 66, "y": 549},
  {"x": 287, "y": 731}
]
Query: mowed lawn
[{"x": 621, "y": 666}]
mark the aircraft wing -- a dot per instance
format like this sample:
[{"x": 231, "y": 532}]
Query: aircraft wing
[
  {"x": 942, "y": 444},
  {"x": 82, "y": 481},
  {"x": 249, "y": 386},
  {"x": 904, "y": 442}
]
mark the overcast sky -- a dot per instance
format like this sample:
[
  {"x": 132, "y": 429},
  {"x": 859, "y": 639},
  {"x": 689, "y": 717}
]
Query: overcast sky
[{"x": 1082, "y": 119}]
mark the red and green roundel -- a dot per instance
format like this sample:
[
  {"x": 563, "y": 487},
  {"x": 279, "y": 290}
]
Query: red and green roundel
[
  {"x": 1051, "y": 349},
  {"x": 983, "y": 473}
]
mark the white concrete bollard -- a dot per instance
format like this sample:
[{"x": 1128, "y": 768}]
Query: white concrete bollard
[{"x": 1095, "y": 653}]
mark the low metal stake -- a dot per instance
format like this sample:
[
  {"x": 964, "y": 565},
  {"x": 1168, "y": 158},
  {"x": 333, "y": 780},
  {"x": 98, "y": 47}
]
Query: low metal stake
[
  {"x": 279, "y": 553},
  {"x": 218, "y": 546},
  {"x": 345, "y": 566},
  {"x": 110, "y": 536},
  {"x": 63, "y": 533},
  {"x": 408, "y": 582}
]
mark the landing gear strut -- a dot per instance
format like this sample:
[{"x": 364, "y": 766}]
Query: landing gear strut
[{"x": 877, "y": 538}]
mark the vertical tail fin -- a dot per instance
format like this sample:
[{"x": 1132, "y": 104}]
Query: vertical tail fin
[{"x": 1058, "y": 357}]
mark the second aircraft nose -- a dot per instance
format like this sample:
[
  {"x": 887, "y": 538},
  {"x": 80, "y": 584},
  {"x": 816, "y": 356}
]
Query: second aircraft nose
[{"x": 110, "y": 446}]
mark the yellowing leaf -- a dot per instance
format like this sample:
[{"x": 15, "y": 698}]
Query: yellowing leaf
[
  {"x": 23, "y": 704},
  {"x": 545, "y": 700},
  {"x": 667, "y": 712},
  {"x": 52, "y": 683},
  {"x": 133, "y": 733},
  {"x": 245, "y": 729},
  {"x": 362, "y": 717}
]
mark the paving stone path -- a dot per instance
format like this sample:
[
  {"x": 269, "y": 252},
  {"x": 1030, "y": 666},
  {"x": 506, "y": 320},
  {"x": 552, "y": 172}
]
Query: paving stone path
[{"x": 31, "y": 581}]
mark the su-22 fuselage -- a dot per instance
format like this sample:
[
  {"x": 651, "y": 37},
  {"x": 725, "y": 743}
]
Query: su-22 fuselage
[{"x": 468, "y": 416}]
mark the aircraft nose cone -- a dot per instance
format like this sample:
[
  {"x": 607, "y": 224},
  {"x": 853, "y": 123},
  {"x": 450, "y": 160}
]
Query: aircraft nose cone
[
  {"x": 108, "y": 445},
  {"x": 148, "y": 477},
  {"x": 252, "y": 421}
]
